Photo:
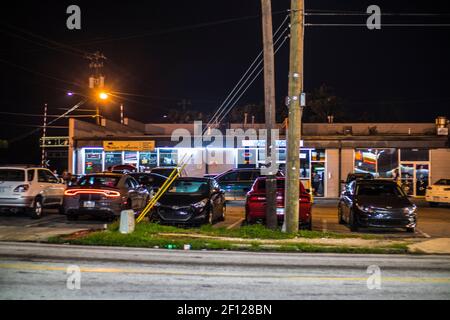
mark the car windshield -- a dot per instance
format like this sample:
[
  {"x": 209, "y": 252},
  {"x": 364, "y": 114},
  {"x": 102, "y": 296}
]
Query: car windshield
[
  {"x": 181, "y": 186},
  {"x": 99, "y": 181},
  {"x": 12, "y": 175},
  {"x": 379, "y": 190},
  {"x": 443, "y": 182}
]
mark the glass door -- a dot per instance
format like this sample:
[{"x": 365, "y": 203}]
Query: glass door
[
  {"x": 414, "y": 178},
  {"x": 422, "y": 172},
  {"x": 407, "y": 178}
]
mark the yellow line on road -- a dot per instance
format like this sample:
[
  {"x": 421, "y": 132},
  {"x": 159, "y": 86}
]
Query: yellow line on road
[{"x": 39, "y": 267}]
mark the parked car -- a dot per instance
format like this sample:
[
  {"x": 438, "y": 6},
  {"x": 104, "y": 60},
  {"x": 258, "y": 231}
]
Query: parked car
[
  {"x": 166, "y": 171},
  {"x": 376, "y": 203},
  {"x": 151, "y": 181},
  {"x": 438, "y": 193},
  {"x": 122, "y": 168},
  {"x": 104, "y": 194},
  {"x": 237, "y": 182},
  {"x": 30, "y": 188},
  {"x": 255, "y": 204},
  {"x": 357, "y": 176},
  {"x": 191, "y": 201}
]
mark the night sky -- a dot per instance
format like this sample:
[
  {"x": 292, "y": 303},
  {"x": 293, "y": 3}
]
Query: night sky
[{"x": 160, "y": 52}]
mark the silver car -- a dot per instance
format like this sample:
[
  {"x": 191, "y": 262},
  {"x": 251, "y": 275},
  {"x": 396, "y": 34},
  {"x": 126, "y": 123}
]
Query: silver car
[{"x": 105, "y": 195}]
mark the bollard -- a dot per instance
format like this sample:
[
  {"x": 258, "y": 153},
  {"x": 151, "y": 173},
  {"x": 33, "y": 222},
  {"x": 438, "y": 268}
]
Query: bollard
[{"x": 126, "y": 221}]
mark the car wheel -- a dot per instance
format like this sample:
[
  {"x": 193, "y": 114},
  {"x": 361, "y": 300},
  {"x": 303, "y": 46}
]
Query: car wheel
[
  {"x": 353, "y": 223},
  {"x": 224, "y": 211},
  {"x": 340, "y": 217},
  {"x": 38, "y": 209},
  {"x": 307, "y": 226},
  {"x": 433, "y": 204},
  {"x": 410, "y": 230}
]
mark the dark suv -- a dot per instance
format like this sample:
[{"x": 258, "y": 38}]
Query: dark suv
[{"x": 237, "y": 182}]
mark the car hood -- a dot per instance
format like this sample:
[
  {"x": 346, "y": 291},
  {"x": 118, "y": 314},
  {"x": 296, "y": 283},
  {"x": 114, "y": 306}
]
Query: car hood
[
  {"x": 383, "y": 202},
  {"x": 181, "y": 199}
]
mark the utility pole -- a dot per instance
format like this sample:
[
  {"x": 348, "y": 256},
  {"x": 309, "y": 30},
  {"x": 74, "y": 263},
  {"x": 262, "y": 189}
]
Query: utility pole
[
  {"x": 44, "y": 132},
  {"x": 96, "y": 80},
  {"x": 269, "y": 108},
  {"x": 295, "y": 115}
]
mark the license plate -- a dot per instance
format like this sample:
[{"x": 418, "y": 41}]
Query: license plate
[
  {"x": 280, "y": 211},
  {"x": 89, "y": 204}
]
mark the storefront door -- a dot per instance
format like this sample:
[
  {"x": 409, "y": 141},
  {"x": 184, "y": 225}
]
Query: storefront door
[{"x": 414, "y": 178}]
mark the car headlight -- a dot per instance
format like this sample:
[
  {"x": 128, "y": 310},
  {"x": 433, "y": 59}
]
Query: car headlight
[
  {"x": 366, "y": 209},
  {"x": 411, "y": 209},
  {"x": 200, "y": 204}
]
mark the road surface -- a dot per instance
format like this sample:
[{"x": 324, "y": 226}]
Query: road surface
[{"x": 39, "y": 271}]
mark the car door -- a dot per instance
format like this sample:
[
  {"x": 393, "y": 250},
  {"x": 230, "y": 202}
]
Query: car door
[
  {"x": 228, "y": 181},
  {"x": 217, "y": 199},
  {"x": 133, "y": 193},
  {"x": 51, "y": 190},
  {"x": 245, "y": 181},
  {"x": 347, "y": 200}
]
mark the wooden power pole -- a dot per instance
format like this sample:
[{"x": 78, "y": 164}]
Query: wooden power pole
[
  {"x": 295, "y": 116},
  {"x": 269, "y": 107}
]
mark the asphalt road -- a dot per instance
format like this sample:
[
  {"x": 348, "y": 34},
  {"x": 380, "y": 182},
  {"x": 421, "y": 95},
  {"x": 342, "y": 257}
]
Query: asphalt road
[{"x": 37, "y": 271}]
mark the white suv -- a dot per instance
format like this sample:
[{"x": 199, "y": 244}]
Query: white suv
[{"x": 30, "y": 188}]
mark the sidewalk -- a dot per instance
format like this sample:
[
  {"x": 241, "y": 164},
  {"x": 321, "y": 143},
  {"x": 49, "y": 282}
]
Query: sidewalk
[{"x": 435, "y": 246}]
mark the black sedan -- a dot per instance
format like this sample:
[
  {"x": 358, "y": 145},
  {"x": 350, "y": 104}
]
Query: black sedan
[
  {"x": 104, "y": 194},
  {"x": 191, "y": 201},
  {"x": 376, "y": 203}
]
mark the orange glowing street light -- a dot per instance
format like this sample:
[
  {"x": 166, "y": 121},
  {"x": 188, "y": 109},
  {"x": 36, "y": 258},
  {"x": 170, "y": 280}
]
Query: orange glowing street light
[{"x": 103, "y": 95}]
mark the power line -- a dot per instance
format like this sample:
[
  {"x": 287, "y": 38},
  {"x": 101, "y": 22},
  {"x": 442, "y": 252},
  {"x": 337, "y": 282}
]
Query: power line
[
  {"x": 248, "y": 86},
  {"x": 39, "y": 73},
  {"x": 240, "y": 84}
]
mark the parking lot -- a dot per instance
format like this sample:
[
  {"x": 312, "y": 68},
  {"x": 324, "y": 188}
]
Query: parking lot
[{"x": 433, "y": 223}]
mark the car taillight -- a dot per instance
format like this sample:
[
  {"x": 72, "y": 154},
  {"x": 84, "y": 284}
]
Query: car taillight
[
  {"x": 107, "y": 193},
  {"x": 22, "y": 188}
]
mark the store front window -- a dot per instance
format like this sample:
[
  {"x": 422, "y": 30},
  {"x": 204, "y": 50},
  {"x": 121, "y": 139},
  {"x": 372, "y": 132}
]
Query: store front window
[
  {"x": 168, "y": 157},
  {"x": 93, "y": 160},
  {"x": 247, "y": 158},
  {"x": 414, "y": 155},
  {"x": 381, "y": 163},
  {"x": 318, "y": 172},
  {"x": 147, "y": 160},
  {"x": 112, "y": 159}
]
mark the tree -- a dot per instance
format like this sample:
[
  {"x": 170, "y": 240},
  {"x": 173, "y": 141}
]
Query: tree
[{"x": 322, "y": 103}]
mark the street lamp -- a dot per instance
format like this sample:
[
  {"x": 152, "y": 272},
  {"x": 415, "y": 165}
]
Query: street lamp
[{"x": 103, "y": 95}]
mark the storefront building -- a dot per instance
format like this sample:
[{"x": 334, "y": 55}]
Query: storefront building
[{"x": 415, "y": 152}]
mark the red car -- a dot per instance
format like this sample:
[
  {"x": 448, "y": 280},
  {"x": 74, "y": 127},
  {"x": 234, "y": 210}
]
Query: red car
[{"x": 255, "y": 204}]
